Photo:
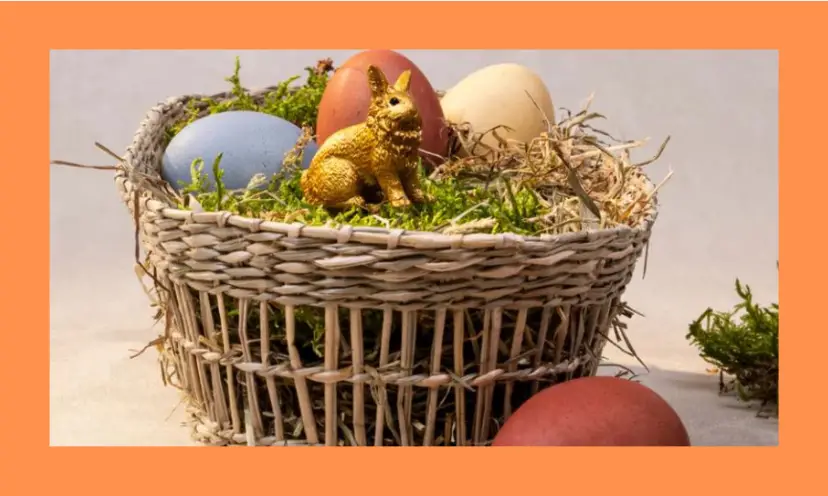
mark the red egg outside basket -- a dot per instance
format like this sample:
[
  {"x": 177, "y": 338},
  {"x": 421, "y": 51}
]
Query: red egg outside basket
[{"x": 594, "y": 411}]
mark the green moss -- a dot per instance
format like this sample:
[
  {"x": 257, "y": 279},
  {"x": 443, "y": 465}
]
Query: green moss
[
  {"x": 279, "y": 198},
  {"x": 743, "y": 343},
  {"x": 298, "y": 104}
]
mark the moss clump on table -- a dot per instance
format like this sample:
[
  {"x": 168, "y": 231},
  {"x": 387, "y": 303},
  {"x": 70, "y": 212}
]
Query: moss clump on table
[
  {"x": 744, "y": 344},
  {"x": 566, "y": 180}
]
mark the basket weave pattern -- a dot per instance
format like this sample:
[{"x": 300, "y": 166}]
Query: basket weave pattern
[{"x": 545, "y": 303}]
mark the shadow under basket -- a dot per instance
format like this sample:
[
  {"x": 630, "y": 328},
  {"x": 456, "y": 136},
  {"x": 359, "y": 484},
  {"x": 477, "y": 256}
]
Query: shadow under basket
[{"x": 286, "y": 334}]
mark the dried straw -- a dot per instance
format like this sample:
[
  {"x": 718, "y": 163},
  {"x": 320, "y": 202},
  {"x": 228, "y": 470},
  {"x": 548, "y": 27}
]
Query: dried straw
[{"x": 583, "y": 176}]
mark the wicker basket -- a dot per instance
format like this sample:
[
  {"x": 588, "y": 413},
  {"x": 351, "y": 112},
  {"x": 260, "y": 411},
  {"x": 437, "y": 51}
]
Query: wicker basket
[{"x": 462, "y": 328}]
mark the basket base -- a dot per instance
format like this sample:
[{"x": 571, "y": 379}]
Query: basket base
[
  {"x": 207, "y": 432},
  {"x": 281, "y": 375}
]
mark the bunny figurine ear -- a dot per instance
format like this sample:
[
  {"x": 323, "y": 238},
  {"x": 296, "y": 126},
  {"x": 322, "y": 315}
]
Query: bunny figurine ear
[
  {"x": 404, "y": 81},
  {"x": 377, "y": 81}
]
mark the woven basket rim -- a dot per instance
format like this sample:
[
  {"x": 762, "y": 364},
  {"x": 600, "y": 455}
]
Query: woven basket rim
[{"x": 392, "y": 237}]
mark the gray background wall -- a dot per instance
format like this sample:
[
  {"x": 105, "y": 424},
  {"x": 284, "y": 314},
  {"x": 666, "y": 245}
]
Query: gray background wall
[{"x": 718, "y": 220}]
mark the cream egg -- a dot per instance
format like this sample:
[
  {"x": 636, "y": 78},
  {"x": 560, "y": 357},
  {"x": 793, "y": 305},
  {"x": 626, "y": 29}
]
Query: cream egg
[{"x": 509, "y": 95}]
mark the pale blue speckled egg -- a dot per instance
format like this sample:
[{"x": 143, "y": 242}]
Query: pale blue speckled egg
[{"x": 250, "y": 143}]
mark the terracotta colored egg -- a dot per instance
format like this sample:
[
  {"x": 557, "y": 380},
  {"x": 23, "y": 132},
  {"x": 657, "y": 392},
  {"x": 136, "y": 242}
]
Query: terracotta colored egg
[
  {"x": 594, "y": 411},
  {"x": 500, "y": 95},
  {"x": 346, "y": 98}
]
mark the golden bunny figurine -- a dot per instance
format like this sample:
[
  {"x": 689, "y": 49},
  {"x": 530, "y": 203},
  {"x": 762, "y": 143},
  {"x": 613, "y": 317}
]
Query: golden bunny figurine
[{"x": 383, "y": 150}]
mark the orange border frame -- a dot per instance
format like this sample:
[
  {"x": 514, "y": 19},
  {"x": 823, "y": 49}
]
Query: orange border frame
[{"x": 29, "y": 30}]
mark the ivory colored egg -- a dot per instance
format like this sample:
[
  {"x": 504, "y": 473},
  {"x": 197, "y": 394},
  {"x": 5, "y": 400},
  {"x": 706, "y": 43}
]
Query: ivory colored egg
[
  {"x": 250, "y": 143},
  {"x": 500, "y": 95},
  {"x": 346, "y": 98},
  {"x": 594, "y": 411}
]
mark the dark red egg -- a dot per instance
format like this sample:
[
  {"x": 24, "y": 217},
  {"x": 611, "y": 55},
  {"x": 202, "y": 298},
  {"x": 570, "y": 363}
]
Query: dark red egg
[
  {"x": 346, "y": 97},
  {"x": 594, "y": 411}
]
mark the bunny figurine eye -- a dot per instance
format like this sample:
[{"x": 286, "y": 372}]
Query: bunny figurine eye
[{"x": 393, "y": 101}]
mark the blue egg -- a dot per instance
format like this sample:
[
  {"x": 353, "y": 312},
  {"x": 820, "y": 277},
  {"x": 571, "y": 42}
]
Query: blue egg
[{"x": 249, "y": 142}]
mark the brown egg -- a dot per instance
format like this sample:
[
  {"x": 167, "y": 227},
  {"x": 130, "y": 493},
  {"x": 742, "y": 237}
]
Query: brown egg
[
  {"x": 594, "y": 411},
  {"x": 346, "y": 98}
]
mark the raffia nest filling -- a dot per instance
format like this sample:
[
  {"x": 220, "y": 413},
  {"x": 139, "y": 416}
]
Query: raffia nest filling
[{"x": 420, "y": 338}]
